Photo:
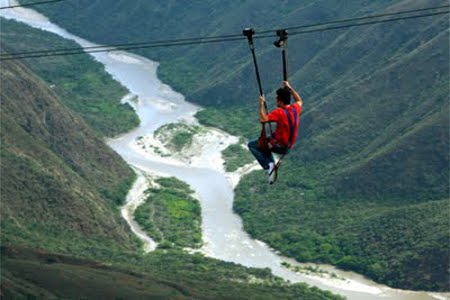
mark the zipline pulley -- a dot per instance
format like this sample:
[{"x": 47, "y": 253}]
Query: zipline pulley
[
  {"x": 282, "y": 43},
  {"x": 249, "y": 32}
]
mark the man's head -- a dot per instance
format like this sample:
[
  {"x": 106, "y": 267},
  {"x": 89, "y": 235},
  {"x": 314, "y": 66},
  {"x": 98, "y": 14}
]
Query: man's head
[{"x": 284, "y": 96}]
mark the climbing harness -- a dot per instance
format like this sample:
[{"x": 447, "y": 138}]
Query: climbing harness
[{"x": 266, "y": 142}]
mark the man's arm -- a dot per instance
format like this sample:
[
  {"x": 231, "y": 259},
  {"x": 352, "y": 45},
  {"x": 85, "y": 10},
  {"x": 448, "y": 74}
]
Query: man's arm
[
  {"x": 294, "y": 93},
  {"x": 263, "y": 118}
]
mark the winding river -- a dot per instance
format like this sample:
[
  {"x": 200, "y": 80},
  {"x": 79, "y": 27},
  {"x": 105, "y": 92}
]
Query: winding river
[{"x": 223, "y": 233}]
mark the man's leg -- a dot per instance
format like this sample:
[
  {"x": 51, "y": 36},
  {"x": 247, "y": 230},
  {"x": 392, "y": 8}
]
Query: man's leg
[{"x": 263, "y": 158}]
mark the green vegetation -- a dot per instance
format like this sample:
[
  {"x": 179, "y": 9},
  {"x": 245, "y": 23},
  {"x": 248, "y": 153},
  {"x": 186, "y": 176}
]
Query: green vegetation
[
  {"x": 381, "y": 241},
  {"x": 170, "y": 215},
  {"x": 233, "y": 120},
  {"x": 374, "y": 134},
  {"x": 81, "y": 82},
  {"x": 177, "y": 136},
  {"x": 236, "y": 156}
]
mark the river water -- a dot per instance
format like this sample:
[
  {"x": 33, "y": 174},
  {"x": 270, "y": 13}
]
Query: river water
[{"x": 222, "y": 230}]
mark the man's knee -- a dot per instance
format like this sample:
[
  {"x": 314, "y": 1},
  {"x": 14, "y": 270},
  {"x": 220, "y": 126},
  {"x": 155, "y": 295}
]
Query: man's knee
[{"x": 253, "y": 145}]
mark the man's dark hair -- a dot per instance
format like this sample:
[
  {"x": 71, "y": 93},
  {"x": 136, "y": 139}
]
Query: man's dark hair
[{"x": 284, "y": 95}]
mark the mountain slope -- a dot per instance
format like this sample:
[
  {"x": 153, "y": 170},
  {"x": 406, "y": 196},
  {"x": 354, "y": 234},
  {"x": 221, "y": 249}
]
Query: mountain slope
[
  {"x": 400, "y": 107},
  {"x": 59, "y": 180}
]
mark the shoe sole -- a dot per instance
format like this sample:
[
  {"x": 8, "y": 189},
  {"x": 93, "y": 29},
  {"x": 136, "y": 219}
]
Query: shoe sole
[{"x": 275, "y": 176}]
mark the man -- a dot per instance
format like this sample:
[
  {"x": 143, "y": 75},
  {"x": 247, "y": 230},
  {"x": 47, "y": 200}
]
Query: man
[{"x": 287, "y": 118}]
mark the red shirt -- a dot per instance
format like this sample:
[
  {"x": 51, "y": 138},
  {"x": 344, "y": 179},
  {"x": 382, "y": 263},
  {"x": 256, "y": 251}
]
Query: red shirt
[{"x": 283, "y": 130}]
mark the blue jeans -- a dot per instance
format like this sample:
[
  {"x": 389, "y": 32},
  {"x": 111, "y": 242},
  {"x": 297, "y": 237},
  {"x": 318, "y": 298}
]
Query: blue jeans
[{"x": 265, "y": 158}]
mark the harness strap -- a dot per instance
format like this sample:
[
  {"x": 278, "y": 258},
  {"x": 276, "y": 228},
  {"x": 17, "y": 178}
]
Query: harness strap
[
  {"x": 291, "y": 135},
  {"x": 291, "y": 125}
]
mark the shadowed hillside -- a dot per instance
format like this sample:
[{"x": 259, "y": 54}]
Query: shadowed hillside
[{"x": 161, "y": 275}]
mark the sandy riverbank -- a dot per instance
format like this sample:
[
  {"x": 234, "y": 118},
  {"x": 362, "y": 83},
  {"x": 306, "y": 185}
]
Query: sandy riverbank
[{"x": 205, "y": 151}]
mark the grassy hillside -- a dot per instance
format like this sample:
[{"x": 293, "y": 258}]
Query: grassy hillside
[
  {"x": 375, "y": 130},
  {"x": 79, "y": 80},
  {"x": 60, "y": 182}
]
